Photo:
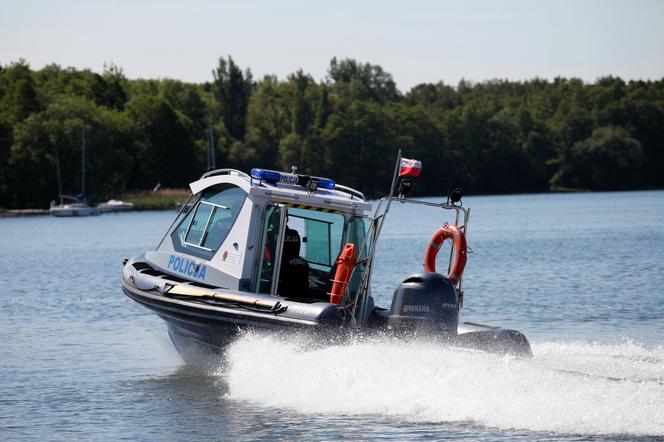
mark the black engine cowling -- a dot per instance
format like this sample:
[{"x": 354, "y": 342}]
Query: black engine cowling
[{"x": 425, "y": 303}]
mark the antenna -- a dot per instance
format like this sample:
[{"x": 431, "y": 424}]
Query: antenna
[
  {"x": 83, "y": 162},
  {"x": 207, "y": 152},
  {"x": 212, "y": 162}
]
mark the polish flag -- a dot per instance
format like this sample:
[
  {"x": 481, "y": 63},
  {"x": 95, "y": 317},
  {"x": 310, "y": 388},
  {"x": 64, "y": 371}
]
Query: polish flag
[{"x": 410, "y": 167}]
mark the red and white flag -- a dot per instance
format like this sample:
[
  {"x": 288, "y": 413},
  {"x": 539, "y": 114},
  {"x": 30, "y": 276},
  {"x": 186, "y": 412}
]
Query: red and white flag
[{"x": 410, "y": 167}]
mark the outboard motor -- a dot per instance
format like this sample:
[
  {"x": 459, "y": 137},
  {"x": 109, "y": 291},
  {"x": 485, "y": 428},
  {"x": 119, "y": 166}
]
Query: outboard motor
[{"x": 425, "y": 303}]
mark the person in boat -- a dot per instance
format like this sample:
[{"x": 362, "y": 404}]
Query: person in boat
[{"x": 294, "y": 273}]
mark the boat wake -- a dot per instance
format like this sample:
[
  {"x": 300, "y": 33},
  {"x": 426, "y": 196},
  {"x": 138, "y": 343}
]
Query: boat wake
[{"x": 570, "y": 388}]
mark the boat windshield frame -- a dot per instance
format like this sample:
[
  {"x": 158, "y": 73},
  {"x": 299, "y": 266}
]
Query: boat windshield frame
[{"x": 205, "y": 229}]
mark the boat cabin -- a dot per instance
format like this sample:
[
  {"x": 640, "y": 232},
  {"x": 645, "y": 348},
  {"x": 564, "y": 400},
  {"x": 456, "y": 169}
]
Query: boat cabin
[{"x": 269, "y": 232}]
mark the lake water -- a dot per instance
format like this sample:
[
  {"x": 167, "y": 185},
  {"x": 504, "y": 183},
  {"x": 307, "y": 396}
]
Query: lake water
[{"x": 582, "y": 275}]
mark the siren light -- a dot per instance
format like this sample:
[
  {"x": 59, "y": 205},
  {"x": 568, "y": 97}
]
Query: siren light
[{"x": 272, "y": 176}]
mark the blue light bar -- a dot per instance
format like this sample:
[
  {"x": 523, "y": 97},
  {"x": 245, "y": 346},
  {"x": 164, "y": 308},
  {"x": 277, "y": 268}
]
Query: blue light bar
[
  {"x": 326, "y": 183},
  {"x": 272, "y": 176}
]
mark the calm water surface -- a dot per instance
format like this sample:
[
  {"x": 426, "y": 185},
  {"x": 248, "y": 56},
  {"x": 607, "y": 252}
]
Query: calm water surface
[{"x": 582, "y": 275}]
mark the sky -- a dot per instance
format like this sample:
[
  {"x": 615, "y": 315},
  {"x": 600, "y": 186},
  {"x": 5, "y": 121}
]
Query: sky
[{"x": 416, "y": 41}]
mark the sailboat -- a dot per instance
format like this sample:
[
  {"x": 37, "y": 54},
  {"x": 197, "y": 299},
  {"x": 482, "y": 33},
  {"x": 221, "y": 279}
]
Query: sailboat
[{"x": 78, "y": 207}]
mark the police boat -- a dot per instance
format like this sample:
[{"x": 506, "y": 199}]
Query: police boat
[{"x": 285, "y": 252}]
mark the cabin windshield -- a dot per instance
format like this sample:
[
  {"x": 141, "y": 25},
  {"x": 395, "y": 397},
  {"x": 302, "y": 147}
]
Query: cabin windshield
[{"x": 206, "y": 226}]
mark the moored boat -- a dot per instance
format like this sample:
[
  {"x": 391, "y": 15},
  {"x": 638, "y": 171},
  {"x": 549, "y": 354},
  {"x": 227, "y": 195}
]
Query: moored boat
[
  {"x": 73, "y": 209},
  {"x": 79, "y": 206},
  {"x": 285, "y": 252},
  {"x": 114, "y": 206}
]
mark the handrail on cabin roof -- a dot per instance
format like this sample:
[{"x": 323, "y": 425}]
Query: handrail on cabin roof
[
  {"x": 351, "y": 191},
  {"x": 222, "y": 172},
  {"x": 348, "y": 190}
]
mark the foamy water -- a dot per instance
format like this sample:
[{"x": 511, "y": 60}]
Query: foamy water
[{"x": 571, "y": 388}]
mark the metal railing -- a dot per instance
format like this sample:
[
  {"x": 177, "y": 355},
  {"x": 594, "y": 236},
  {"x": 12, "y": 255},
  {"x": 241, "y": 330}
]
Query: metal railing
[{"x": 462, "y": 215}]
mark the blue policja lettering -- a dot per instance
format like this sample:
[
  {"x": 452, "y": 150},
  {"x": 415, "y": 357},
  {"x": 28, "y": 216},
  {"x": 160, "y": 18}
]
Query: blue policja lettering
[{"x": 186, "y": 267}]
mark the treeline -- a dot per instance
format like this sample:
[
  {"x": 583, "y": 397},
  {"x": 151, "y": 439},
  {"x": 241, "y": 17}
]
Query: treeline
[{"x": 490, "y": 137}]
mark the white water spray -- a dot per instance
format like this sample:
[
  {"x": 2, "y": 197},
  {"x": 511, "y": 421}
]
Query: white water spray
[{"x": 573, "y": 388}]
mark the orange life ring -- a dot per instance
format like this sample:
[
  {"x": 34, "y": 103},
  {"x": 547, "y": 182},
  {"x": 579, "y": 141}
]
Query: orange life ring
[
  {"x": 345, "y": 264},
  {"x": 459, "y": 239}
]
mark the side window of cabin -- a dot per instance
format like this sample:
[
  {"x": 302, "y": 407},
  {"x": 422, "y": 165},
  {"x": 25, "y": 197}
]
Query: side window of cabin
[
  {"x": 358, "y": 230},
  {"x": 206, "y": 226},
  {"x": 320, "y": 235}
]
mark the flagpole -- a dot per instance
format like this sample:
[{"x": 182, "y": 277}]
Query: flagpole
[
  {"x": 372, "y": 252},
  {"x": 389, "y": 198}
]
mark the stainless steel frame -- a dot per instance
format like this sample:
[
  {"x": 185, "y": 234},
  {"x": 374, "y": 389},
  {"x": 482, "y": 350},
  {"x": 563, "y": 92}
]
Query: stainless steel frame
[{"x": 378, "y": 220}]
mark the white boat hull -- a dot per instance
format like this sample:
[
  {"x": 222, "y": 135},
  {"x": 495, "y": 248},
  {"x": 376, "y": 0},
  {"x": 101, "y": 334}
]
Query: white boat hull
[
  {"x": 74, "y": 210},
  {"x": 115, "y": 206}
]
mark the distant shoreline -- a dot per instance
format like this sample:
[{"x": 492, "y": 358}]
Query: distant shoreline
[
  {"x": 162, "y": 199},
  {"x": 16, "y": 213},
  {"x": 172, "y": 199}
]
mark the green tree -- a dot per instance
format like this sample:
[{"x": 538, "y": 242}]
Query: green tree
[
  {"x": 362, "y": 81},
  {"x": 232, "y": 89},
  {"x": 490, "y": 136},
  {"x": 302, "y": 115},
  {"x": 609, "y": 159},
  {"x": 162, "y": 149},
  {"x": 56, "y": 133},
  {"x": 269, "y": 121},
  {"x": 18, "y": 95}
]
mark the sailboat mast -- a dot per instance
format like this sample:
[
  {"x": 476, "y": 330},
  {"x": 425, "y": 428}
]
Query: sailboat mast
[
  {"x": 57, "y": 166},
  {"x": 83, "y": 161}
]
